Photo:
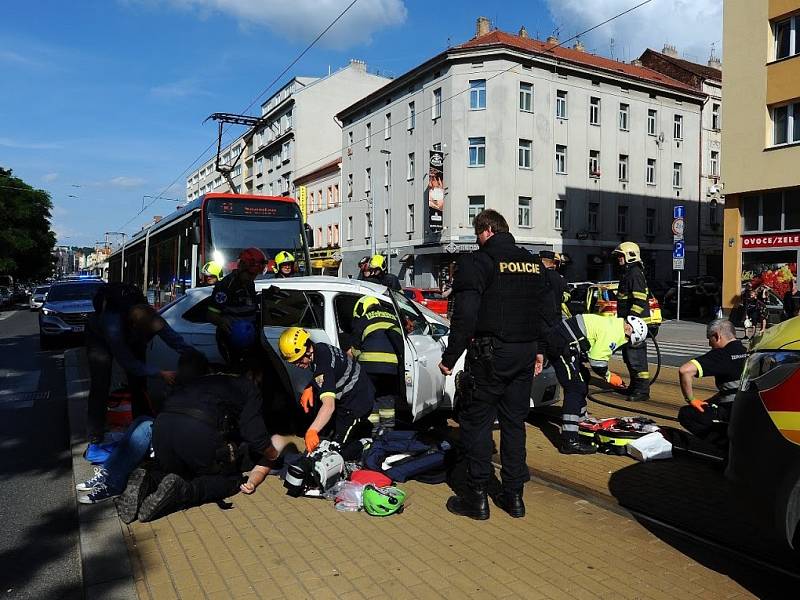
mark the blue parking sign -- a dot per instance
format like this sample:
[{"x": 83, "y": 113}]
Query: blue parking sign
[
  {"x": 678, "y": 249},
  {"x": 679, "y": 211}
]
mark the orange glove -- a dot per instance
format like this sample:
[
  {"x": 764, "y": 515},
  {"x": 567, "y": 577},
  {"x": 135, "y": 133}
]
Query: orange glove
[
  {"x": 312, "y": 440},
  {"x": 615, "y": 380},
  {"x": 699, "y": 405},
  {"x": 307, "y": 399}
]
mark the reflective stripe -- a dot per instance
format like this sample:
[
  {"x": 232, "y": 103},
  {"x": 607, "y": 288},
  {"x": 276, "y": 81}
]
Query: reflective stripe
[
  {"x": 622, "y": 295},
  {"x": 351, "y": 384},
  {"x": 699, "y": 368},
  {"x": 569, "y": 427},
  {"x": 214, "y": 309},
  {"x": 600, "y": 364},
  {"x": 637, "y": 309},
  {"x": 643, "y": 375},
  {"x": 327, "y": 394},
  {"x": 343, "y": 378},
  {"x": 379, "y": 357},
  {"x": 571, "y": 418},
  {"x": 380, "y": 327},
  {"x": 640, "y": 295}
]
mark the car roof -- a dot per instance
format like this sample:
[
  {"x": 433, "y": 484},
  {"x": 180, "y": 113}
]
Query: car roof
[
  {"x": 784, "y": 336},
  {"x": 315, "y": 283}
]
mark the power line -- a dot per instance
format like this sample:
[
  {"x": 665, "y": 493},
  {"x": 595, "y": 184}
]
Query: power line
[{"x": 248, "y": 107}]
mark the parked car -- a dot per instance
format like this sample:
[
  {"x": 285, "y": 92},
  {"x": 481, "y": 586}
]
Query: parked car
[
  {"x": 38, "y": 297},
  {"x": 764, "y": 456},
  {"x": 433, "y": 299},
  {"x": 324, "y": 306},
  {"x": 601, "y": 298},
  {"x": 5, "y": 297},
  {"x": 66, "y": 309},
  {"x": 774, "y": 310}
]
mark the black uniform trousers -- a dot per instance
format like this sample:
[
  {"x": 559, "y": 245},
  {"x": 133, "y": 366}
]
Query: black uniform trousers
[
  {"x": 497, "y": 387},
  {"x": 351, "y": 419},
  {"x": 573, "y": 376},
  {"x": 636, "y": 360},
  {"x": 100, "y": 361},
  {"x": 710, "y": 425},
  {"x": 191, "y": 448}
]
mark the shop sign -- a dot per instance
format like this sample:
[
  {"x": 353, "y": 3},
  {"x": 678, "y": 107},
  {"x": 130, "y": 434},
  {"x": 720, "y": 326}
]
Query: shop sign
[
  {"x": 452, "y": 247},
  {"x": 302, "y": 200},
  {"x": 770, "y": 241}
]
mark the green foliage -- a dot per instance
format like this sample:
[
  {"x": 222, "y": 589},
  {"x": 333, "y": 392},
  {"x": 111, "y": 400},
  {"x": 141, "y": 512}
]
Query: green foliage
[{"x": 26, "y": 240}]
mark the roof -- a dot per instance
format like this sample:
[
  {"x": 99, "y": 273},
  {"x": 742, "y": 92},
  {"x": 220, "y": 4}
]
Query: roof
[
  {"x": 703, "y": 71},
  {"x": 328, "y": 167},
  {"x": 577, "y": 57}
]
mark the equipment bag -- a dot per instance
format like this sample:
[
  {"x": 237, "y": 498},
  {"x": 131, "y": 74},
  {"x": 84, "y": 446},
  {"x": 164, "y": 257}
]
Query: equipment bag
[
  {"x": 425, "y": 463},
  {"x": 613, "y": 435},
  {"x": 119, "y": 414}
]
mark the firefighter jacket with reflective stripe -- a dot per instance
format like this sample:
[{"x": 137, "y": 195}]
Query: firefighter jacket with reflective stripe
[
  {"x": 633, "y": 294},
  {"x": 597, "y": 337},
  {"x": 500, "y": 291},
  {"x": 338, "y": 376},
  {"x": 379, "y": 342}
]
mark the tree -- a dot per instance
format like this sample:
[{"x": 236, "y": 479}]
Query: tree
[{"x": 26, "y": 239}]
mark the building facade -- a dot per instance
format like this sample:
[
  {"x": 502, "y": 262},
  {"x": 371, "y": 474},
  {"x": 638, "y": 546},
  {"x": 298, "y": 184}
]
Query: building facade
[
  {"x": 318, "y": 194},
  {"x": 761, "y": 165},
  {"x": 579, "y": 152}
]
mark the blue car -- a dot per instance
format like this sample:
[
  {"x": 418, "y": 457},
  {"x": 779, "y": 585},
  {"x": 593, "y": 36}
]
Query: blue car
[{"x": 66, "y": 309}]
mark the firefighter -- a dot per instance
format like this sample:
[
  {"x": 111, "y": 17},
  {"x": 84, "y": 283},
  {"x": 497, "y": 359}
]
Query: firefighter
[
  {"x": 234, "y": 307},
  {"x": 591, "y": 338},
  {"x": 379, "y": 349},
  {"x": 500, "y": 301},
  {"x": 345, "y": 392},
  {"x": 378, "y": 274},
  {"x": 212, "y": 273},
  {"x": 558, "y": 285},
  {"x": 633, "y": 300},
  {"x": 285, "y": 264}
]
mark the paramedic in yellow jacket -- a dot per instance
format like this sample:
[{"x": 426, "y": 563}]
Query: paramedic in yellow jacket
[{"x": 590, "y": 338}]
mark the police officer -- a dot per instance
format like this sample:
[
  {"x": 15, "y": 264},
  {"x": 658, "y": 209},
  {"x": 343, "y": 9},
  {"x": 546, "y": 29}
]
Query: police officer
[
  {"x": 633, "y": 300},
  {"x": 378, "y": 347},
  {"x": 378, "y": 274},
  {"x": 344, "y": 389},
  {"x": 500, "y": 302},
  {"x": 285, "y": 264},
  {"x": 591, "y": 338},
  {"x": 558, "y": 285},
  {"x": 234, "y": 306},
  {"x": 725, "y": 362}
]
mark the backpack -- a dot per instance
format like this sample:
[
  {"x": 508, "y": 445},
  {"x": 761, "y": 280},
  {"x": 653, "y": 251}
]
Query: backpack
[
  {"x": 425, "y": 463},
  {"x": 118, "y": 297}
]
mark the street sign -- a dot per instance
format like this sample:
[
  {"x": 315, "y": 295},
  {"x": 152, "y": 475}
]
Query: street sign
[
  {"x": 678, "y": 226},
  {"x": 679, "y": 212},
  {"x": 678, "y": 249},
  {"x": 677, "y": 264}
]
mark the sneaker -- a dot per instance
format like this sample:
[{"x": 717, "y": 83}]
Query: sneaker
[
  {"x": 99, "y": 478},
  {"x": 171, "y": 495},
  {"x": 139, "y": 486},
  {"x": 100, "y": 493}
]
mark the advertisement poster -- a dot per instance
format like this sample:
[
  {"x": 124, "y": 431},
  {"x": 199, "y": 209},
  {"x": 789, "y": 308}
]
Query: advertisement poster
[{"x": 436, "y": 191}]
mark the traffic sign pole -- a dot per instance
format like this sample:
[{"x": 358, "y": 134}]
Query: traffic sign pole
[{"x": 678, "y": 248}]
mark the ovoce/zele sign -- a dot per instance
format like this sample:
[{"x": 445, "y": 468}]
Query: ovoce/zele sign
[{"x": 770, "y": 241}]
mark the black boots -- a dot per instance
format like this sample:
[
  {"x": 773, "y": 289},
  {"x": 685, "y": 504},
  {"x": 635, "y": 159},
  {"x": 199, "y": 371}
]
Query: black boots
[
  {"x": 472, "y": 503},
  {"x": 139, "y": 486},
  {"x": 511, "y": 502},
  {"x": 172, "y": 494},
  {"x": 571, "y": 446}
]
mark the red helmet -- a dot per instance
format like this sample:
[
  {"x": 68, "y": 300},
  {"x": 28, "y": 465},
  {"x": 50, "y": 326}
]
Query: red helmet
[{"x": 252, "y": 260}]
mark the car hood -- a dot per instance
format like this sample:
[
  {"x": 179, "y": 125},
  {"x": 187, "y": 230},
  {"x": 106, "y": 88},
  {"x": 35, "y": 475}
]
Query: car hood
[
  {"x": 71, "y": 306},
  {"x": 785, "y": 336}
]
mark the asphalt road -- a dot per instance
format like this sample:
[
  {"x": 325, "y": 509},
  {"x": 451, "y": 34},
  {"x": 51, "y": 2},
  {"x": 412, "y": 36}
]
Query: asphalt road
[{"x": 39, "y": 551}]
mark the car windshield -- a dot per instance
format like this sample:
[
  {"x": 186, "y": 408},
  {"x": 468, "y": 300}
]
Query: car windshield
[
  {"x": 432, "y": 316},
  {"x": 73, "y": 291},
  {"x": 41, "y": 290},
  {"x": 432, "y": 295}
]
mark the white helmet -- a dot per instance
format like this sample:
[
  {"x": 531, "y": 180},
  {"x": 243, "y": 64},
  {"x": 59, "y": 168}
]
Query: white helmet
[{"x": 639, "y": 333}]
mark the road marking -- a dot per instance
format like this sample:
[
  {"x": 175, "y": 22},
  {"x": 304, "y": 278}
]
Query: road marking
[{"x": 6, "y": 314}]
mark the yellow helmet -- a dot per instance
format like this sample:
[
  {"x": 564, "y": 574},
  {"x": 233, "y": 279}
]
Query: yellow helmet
[
  {"x": 293, "y": 343},
  {"x": 212, "y": 268},
  {"x": 378, "y": 261},
  {"x": 629, "y": 251},
  {"x": 363, "y": 305},
  {"x": 283, "y": 257}
]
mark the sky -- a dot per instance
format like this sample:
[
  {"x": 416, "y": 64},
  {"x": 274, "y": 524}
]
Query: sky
[{"x": 102, "y": 103}]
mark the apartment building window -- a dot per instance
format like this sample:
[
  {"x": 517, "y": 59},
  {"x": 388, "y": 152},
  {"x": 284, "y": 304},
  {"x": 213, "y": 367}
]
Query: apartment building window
[
  {"x": 716, "y": 120},
  {"x": 329, "y": 195},
  {"x": 289, "y": 120},
  {"x": 592, "y": 216},
  {"x": 477, "y": 94},
  {"x": 677, "y": 175},
  {"x": 412, "y": 116},
  {"x": 311, "y": 207},
  {"x": 623, "y": 167},
  {"x": 387, "y": 126},
  {"x": 260, "y": 166},
  {"x": 652, "y": 118},
  {"x": 773, "y": 211},
  {"x": 714, "y": 163},
  {"x": 335, "y": 234},
  {"x": 650, "y": 176},
  {"x": 368, "y": 226},
  {"x": 786, "y": 37},
  {"x": 477, "y": 152},
  {"x": 524, "y": 211},
  {"x": 475, "y": 205},
  {"x": 349, "y": 229},
  {"x": 650, "y": 222},
  {"x": 330, "y": 235},
  {"x": 786, "y": 123},
  {"x": 385, "y": 222},
  {"x": 285, "y": 149},
  {"x": 561, "y": 159},
  {"x": 387, "y": 173},
  {"x": 336, "y": 194},
  {"x": 367, "y": 135},
  {"x": 410, "y": 219},
  {"x": 368, "y": 180},
  {"x": 677, "y": 127},
  {"x": 594, "y": 163},
  {"x": 318, "y": 238},
  {"x": 410, "y": 167},
  {"x": 349, "y": 186},
  {"x": 524, "y": 152},
  {"x": 526, "y": 96},
  {"x": 561, "y": 104},
  {"x": 624, "y": 116},
  {"x": 622, "y": 219},
  {"x": 594, "y": 111},
  {"x": 286, "y": 186},
  {"x": 436, "y": 110},
  {"x": 350, "y": 139},
  {"x": 558, "y": 221}
]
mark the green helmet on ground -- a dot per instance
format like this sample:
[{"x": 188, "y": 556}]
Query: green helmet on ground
[{"x": 383, "y": 501}]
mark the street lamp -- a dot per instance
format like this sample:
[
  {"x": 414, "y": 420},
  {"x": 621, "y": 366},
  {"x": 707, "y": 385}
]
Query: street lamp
[
  {"x": 388, "y": 153},
  {"x": 122, "y": 261}
]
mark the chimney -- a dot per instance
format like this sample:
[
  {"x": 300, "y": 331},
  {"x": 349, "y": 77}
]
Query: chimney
[
  {"x": 358, "y": 65},
  {"x": 523, "y": 33},
  {"x": 636, "y": 62},
  {"x": 579, "y": 46},
  {"x": 670, "y": 50},
  {"x": 157, "y": 218},
  {"x": 552, "y": 40},
  {"x": 482, "y": 26},
  {"x": 714, "y": 62}
]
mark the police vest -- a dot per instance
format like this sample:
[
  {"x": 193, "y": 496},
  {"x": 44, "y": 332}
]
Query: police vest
[{"x": 514, "y": 300}]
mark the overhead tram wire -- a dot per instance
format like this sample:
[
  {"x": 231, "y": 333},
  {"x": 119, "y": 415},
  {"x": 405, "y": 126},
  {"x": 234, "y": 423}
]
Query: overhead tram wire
[
  {"x": 464, "y": 91},
  {"x": 248, "y": 107}
]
